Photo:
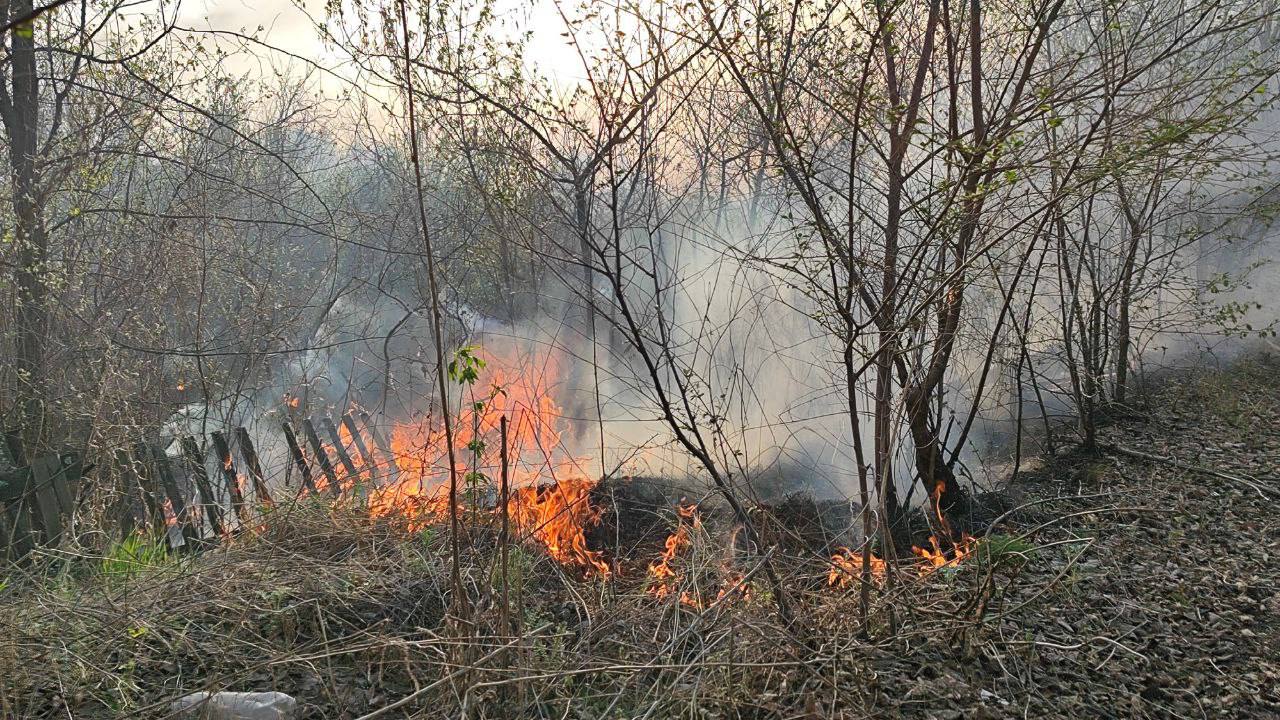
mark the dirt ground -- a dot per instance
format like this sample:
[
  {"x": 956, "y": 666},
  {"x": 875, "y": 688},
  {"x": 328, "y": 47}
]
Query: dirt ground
[{"x": 1162, "y": 599}]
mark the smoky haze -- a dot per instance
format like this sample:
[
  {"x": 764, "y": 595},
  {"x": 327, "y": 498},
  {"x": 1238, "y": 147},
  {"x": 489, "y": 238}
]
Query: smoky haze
[{"x": 723, "y": 254}]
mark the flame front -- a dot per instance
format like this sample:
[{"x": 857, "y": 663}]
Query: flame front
[
  {"x": 661, "y": 573},
  {"x": 556, "y": 517},
  {"x": 846, "y": 568},
  {"x": 934, "y": 558},
  {"x": 550, "y": 499}
]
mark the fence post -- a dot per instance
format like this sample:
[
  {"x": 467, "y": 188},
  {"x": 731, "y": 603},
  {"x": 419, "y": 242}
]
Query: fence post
[
  {"x": 366, "y": 459},
  {"x": 250, "y": 456},
  {"x": 44, "y": 472},
  {"x": 393, "y": 468},
  {"x": 160, "y": 461},
  {"x": 298, "y": 458},
  {"x": 340, "y": 450},
  {"x": 230, "y": 477},
  {"x": 151, "y": 495},
  {"x": 322, "y": 457},
  {"x": 19, "y": 536},
  {"x": 210, "y": 507}
]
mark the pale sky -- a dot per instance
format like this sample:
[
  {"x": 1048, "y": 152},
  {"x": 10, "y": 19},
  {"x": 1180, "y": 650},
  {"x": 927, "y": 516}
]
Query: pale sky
[{"x": 289, "y": 28}]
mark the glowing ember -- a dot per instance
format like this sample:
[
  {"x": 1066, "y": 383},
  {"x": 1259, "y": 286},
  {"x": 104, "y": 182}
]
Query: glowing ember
[{"x": 731, "y": 589}]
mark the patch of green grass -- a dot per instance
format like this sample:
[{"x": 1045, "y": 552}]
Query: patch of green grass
[
  {"x": 134, "y": 554},
  {"x": 1003, "y": 551}
]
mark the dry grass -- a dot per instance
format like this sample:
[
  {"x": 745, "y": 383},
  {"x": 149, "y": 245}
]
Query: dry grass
[{"x": 352, "y": 616}]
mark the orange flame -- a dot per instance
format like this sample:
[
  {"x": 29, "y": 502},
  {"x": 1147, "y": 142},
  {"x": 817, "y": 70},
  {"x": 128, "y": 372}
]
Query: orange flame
[
  {"x": 660, "y": 571},
  {"x": 934, "y": 558},
  {"x": 166, "y": 509},
  {"x": 846, "y": 568},
  {"x": 550, "y": 496},
  {"x": 664, "y": 579},
  {"x": 556, "y": 516},
  {"x": 846, "y": 564}
]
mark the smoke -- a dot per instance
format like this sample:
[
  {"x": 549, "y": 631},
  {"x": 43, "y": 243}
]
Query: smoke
[{"x": 724, "y": 310}]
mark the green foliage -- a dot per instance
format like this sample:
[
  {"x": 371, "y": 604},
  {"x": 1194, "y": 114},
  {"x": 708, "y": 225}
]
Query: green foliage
[
  {"x": 465, "y": 366},
  {"x": 1003, "y": 551},
  {"x": 133, "y": 555},
  {"x": 1233, "y": 316},
  {"x": 427, "y": 536}
]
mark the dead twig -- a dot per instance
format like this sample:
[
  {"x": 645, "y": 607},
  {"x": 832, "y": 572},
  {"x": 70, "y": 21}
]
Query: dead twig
[
  {"x": 451, "y": 676},
  {"x": 1138, "y": 454}
]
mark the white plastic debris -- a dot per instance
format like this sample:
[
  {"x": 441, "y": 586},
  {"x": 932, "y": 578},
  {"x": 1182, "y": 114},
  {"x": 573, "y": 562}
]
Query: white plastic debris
[{"x": 235, "y": 706}]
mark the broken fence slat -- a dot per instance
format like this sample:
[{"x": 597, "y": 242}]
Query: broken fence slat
[
  {"x": 299, "y": 458},
  {"x": 6, "y": 537},
  {"x": 250, "y": 456},
  {"x": 160, "y": 461},
  {"x": 66, "y": 482},
  {"x": 44, "y": 471},
  {"x": 389, "y": 458},
  {"x": 339, "y": 449},
  {"x": 210, "y": 506},
  {"x": 17, "y": 451},
  {"x": 22, "y": 535},
  {"x": 358, "y": 439},
  {"x": 322, "y": 456},
  {"x": 152, "y": 495},
  {"x": 130, "y": 490},
  {"x": 230, "y": 477}
]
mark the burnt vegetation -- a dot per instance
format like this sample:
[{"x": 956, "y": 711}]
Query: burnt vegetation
[{"x": 818, "y": 359}]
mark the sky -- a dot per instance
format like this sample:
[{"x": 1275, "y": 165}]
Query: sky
[{"x": 292, "y": 29}]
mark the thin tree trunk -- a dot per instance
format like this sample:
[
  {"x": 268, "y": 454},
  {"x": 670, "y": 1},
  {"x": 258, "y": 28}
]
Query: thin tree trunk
[
  {"x": 21, "y": 114},
  {"x": 436, "y": 327}
]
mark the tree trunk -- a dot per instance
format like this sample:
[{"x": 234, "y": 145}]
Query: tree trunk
[
  {"x": 22, "y": 120},
  {"x": 947, "y": 498},
  {"x": 1123, "y": 341}
]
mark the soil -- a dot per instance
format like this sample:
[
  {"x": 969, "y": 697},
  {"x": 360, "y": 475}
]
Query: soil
[{"x": 1162, "y": 599}]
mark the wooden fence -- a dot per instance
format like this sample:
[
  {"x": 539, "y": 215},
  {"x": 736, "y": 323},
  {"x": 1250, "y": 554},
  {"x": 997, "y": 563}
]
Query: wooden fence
[{"x": 165, "y": 486}]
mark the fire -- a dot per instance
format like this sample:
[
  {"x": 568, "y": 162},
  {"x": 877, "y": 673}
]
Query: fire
[
  {"x": 660, "y": 571},
  {"x": 934, "y": 558},
  {"x": 664, "y": 579},
  {"x": 846, "y": 564},
  {"x": 550, "y": 493},
  {"x": 555, "y": 516},
  {"x": 170, "y": 517},
  {"x": 846, "y": 568}
]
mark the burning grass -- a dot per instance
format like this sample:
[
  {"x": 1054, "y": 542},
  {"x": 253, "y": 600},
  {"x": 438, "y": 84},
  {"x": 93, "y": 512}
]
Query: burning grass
[
  {"x": 549, "y": 495},
  {"x": 350, "y": 611},
  {"x": 342, "y": 595}
]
